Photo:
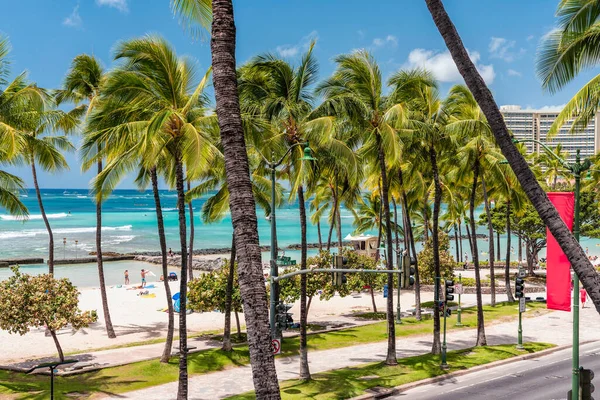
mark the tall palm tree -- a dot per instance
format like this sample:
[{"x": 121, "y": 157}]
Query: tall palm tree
[
  {"x": 554, "y": 169},
  {"x": 44, "y": 150},
  {"x": 284, "y": 95},
  {"x": 577, "y": 257},
  {"x": 355, "y": 91},
  {"x": 81, "y": 86},
  {"x": 242, "y": 205},
  {"x": 10, "y": 185},
  {"x": 153, "y": 79},
  {"x": 565, "y": 52}
]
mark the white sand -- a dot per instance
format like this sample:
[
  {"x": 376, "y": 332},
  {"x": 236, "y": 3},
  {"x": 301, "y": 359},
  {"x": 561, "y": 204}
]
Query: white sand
[{"x": 137, "y": 318}]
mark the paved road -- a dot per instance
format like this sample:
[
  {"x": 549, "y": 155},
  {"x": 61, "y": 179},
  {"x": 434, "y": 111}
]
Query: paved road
[{"x": 543, "y": 378}]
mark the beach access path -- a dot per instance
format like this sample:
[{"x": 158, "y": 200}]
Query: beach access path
[{"x": 553, "y": 327}]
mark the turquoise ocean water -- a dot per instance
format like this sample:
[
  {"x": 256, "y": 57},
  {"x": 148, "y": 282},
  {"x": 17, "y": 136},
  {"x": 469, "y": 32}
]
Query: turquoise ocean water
[{"x": 129, "y": 224}]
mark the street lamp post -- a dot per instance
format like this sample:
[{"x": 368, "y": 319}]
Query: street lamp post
[
  {"x": 274, "y": 295},
  {"x": 576, "y": 169}
]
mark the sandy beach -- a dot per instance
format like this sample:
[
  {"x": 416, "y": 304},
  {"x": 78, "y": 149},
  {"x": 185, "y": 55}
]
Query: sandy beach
[{"x": 137, "y": 319}]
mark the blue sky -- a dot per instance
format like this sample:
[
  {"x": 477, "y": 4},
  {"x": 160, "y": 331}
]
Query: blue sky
[{"x": 501, "y": 36}]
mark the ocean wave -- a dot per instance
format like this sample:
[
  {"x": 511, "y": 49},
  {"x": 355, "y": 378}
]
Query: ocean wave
[
  {"x": 81, "y": 197},
  {"x": 34, "y": 216},
  {"x": 119, "y": 239},
  {"x": 70, "y": 231}
]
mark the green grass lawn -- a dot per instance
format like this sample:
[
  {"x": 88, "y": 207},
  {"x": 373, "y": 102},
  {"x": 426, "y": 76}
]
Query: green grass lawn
[
  {"x": 349, "y": 382},
  {"x": 151, "y": 373}
]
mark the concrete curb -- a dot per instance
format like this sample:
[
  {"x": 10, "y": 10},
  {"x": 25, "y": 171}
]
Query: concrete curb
[{"x": 435, "y": 379}]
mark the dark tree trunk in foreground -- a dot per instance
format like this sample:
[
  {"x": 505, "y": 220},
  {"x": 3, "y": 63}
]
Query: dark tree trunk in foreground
[
  {"x": 304, "y": 370},
  {"x": 182, "y": 391},
  {"x": 577, "y": 257},
  {"x": 385, "y": 202},
  {"x": 481, "y": 340},
  {"x": 228, "y": 300},
  {"x": 490, "y": 242},
  {"x": 436, "y": 347},
  {"x": 191, "y": 253},
  {"x": 45, "y": 218},
  {"x": 109, "y": 327},
  {"x": 509, "y": 294},
  {"x": 165, "y": 271},
  {"x": 413, "y": 249},
  {"x": 61, "y": 356},
  {"x": 241, "y": 202}
]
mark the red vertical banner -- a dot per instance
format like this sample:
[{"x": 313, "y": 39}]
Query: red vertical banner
[{"x": 558, "y": 268}]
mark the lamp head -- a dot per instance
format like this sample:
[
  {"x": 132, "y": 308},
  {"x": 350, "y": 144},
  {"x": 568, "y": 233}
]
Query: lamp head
[{"x": 307, "y": 154}]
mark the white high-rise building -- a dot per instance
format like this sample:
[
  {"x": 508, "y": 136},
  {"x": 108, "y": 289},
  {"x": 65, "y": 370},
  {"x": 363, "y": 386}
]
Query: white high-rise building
[{"x": 534, "y": 124}]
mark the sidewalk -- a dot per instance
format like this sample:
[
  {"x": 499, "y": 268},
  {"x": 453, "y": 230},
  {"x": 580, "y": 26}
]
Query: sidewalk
[{"x": 553, "y": 327}]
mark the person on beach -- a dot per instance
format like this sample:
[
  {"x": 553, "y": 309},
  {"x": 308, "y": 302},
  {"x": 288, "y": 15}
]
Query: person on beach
[
  {"x": 143, "y": 278},
  {"x": 126, "y": 277},
  {"x": 170, "y": 252},
  {"x": 583, "y": 295}
]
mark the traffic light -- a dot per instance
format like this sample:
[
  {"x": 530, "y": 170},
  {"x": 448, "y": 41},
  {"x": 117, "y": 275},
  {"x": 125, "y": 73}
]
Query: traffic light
[
  {"x": 519, "y": 287},
  {"x": 339, "y": 278},
  {"x": 408, "y": 270},
  {"x": 283, "y": 319},
  {"x": 585, "y": 383},
  {"x": 449, "y": 290}
]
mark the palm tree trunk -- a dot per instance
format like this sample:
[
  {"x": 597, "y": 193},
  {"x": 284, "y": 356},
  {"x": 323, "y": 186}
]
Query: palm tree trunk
[
  {"x": 412, "y": 246},
  {"x": 577, "y": 257},
  {"x": 509, "y": 294},
  {"x": 45, "y": 218},
  {"x": 165, "y": 271},
  {"x": 191, "y": 253},
  {"x": 333, "y": 219},
  {"x": 456, "y": 243},
  {"x": 319, "y": 233},
  {"x": 228, "y": 300},
  {"x": 396, "y": 225},
  {"x": 437, "y": 199},
  {"x": 304, "y": 370},
  {"x": 372, "y": 292},
  {"x": 182, "y": 390},
  {"x": 105, "y": 310},
  {"x": 237, "y": 324},
  {"x": 490, "y": 242},
  {"x": 498, "y": 245},
  {"x": 481, "y": 339},
  {"x": 241, "y": 201},
  {"x": 469, "y": 236},
  {"x": 338, "y": 226},
  {"x": 61, "y": 356},
  {"x": 461, "y": 239},
  {"x": 385, "y": 201},
  {"x": 379, "y": 232},
  {"x": 426, "y": 218}
]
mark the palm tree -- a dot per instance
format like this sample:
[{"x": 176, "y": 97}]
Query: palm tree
[
  {"x": 553, "y": 167},
  {"x": 242, "y": 205},
  {"x": 158, "y": 88},
  {"x": 355, "y": 91},
  {"x": 10, "y": 185},
  {"x": 82, "y": 87},
  {"x": 565, "y": 52},
  {"x": 43, "y": 150},
  {"x": 283, "y": 94},
  {"x": 577, "y": 257}
]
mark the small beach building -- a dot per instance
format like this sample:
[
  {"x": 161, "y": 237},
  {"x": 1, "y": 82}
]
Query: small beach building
[{"x": 363, "y": 244}]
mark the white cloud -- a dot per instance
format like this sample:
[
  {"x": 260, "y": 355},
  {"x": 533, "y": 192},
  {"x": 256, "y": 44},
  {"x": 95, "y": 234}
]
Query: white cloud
[
  {"x": 443, "y": 67},
  {"x": 512, "y": 72},
  {"x": 288, "y": 50},
  {"x": 504, "y": 49},
  {"x": 74, "y": 19},
  {"x": 530, "y": 38},
  {"x": 556, "y": 108},
  {"x": 389, "y": 39},
  {"x": 120, "y": 5}
]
